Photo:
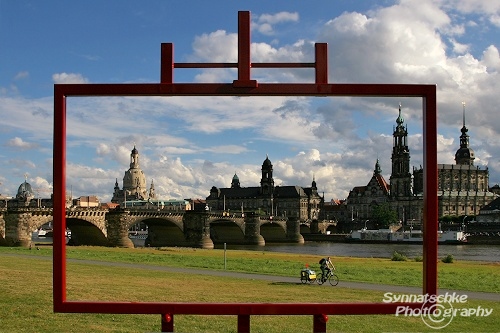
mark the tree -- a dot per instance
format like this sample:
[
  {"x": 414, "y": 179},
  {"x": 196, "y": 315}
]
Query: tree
[{"x": 384, "y": 216}]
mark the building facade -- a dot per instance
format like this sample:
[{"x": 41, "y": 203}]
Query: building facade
[
  {"x": 462, "y": 187},
  {"x": 135, "y": 194},
  {"x": 303, "y": 203}
]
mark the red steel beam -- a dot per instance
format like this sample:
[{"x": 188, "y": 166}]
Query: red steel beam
[
  {"x": 235, "y": 308},
  {"x": 428, "y": 92},
  {"x": 430, "y": 244},
  {"x": 263, "y": 89}
]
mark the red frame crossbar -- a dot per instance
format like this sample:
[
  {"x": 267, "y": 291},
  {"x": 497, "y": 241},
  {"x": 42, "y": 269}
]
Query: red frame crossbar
[{"x": 244, "y": 86}]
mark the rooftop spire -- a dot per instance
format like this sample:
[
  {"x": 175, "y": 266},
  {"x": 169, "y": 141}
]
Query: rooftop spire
[
  {"x": 465, "y": 154},
  {"x": 463, "y": 106},
  {"x": 378, "y": 169},
  {"x": 400, "y": 119}
]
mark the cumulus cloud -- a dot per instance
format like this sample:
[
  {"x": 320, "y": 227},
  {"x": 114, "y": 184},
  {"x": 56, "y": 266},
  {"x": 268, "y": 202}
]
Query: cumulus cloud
[
  {"x": 19, "y": 143},
  {"x": 265, "y": 22}
]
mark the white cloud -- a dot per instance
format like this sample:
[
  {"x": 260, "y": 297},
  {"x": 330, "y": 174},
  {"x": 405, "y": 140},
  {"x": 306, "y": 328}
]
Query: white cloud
[
  {"x": 264, "y": 23},
  {"x": 491, "y": 59},
  {"x": 21, "y": 144},
  {"x": 65, "y": 78},
  {"x": 217, "y": 46},
  {"x": 490, "y": 9},
  {"x": 22, "y": 75}
]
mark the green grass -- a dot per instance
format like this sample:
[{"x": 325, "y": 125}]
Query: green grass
[
  {"x": 459, "y": 275},
  {"x": 26, "y": 285}
]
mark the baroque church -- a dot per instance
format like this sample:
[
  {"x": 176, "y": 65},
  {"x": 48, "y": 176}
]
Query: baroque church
[
  {"x": 134, "y": 183},
  {"x": 462, "y": 187},
  {"x": 303, "y": 203}
]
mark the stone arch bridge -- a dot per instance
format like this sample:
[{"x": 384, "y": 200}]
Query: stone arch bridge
[{"x": 165, "y": 228}]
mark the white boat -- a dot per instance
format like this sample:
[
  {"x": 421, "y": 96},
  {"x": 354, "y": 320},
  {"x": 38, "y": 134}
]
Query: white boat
[
  {"x": 407, "y": 236},
  {"x": 40, "y": 233},
  {"x": 138, "y": 234}
]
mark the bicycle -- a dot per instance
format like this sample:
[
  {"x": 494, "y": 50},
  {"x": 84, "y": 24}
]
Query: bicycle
[{"x": 331, "y": 277}]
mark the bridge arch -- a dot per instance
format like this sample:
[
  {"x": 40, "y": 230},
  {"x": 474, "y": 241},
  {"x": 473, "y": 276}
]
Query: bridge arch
[
  {"x": 84, "y": 232},
  {"x": 274, "y": 232},
  {"x": 227, "y": 231},
  {"x": 161, "y": 231},
  {"x": 305, "y": 228}
]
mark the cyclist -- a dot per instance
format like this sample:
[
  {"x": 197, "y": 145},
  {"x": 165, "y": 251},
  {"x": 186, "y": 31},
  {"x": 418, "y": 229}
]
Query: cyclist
[{"x": 326, "y": 267}]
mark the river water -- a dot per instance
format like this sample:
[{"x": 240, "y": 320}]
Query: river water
[{"x": 460, "y": 252}]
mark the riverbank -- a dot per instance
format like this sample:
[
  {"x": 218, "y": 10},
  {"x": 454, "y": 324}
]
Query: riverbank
[{"x": 477, "y": 239}]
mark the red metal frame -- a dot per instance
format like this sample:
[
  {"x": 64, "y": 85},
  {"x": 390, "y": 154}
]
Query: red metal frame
[{"x": 243, "y": 86}]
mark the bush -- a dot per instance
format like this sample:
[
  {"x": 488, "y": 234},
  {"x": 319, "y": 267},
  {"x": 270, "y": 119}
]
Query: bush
[
  {"x": 448, "y": 259},
  {"x": 419, "y": 259},
  {"x": 396, "y": 256}
]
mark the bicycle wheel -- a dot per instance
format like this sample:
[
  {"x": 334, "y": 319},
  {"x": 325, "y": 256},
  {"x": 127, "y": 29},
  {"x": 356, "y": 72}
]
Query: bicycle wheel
[
  {"x": 333, "y": 279},
  {"x": 303, "y": 280},
  {"x": 319, "y": 278}
]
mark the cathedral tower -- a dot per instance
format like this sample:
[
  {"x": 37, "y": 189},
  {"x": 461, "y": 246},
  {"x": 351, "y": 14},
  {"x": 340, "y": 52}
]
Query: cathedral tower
[
  {"x": 267, "y": 181},
  {"x": 465, "y": 154},
  {"x": 400, "y": 179}
]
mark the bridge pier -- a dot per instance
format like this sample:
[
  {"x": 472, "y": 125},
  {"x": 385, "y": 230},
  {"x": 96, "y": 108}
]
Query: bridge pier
[
  {"x": 252, "y": 231},
  {"x": 197, "y": 229},
  {"x": 118, "y": 222},
  {"x": 315, "y": 227},
  {"x": 293, "y": 231},
  {"x": 18, "y": 229},
  {"x": 2, "y": 229}
]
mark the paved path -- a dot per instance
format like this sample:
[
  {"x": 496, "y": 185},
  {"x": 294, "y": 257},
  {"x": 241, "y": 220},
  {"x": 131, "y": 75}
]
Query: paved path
[{"x": 276, "y": 279}]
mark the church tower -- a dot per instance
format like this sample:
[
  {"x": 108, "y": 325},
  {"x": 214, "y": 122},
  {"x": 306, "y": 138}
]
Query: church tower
[
  {"x": 267, "y": 181},
  {"x": 465, "y": 154},
  {"x": 235, "y": 183},
  {"x": 400, "y": 180},
  {"x": 134, "y": 181},
  {"x": 152, "y": 193}
]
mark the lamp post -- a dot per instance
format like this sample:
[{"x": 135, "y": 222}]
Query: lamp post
[{"x": 463, "y": 223}]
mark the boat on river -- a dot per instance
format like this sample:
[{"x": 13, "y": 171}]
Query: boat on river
[
  {"x": 407, "y": 236},
  {"x": 40, "y": 233},
  {"x": 138, "y": 234}
]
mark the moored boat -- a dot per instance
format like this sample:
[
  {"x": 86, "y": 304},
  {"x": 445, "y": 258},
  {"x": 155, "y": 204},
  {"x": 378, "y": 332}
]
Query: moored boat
[{"x": 407, "y": 236}]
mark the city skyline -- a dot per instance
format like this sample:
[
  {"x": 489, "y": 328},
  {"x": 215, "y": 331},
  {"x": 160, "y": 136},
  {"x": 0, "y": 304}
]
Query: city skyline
[{"x": 188, "y": 145}]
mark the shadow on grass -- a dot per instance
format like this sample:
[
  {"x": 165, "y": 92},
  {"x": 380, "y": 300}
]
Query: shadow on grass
[{"x": 288, "y": 283}]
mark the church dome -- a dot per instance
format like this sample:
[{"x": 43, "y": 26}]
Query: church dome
[
  {"x": 464, "y": 153},
  {"x": 25, "y": 190},
  {"x": 267, "y": 162}
]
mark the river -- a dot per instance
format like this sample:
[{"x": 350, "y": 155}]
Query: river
[{"x": 489, "y": 253}]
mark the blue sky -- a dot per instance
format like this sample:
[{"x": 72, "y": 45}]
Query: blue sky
[{"x": 188, "y": 145}]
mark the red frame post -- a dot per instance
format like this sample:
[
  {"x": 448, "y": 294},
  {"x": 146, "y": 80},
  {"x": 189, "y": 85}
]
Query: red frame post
[{"x": 244, "y": 86}]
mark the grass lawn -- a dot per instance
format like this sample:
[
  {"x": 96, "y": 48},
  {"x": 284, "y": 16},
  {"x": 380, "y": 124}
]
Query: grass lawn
[{"x": 26, "y": 285}]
